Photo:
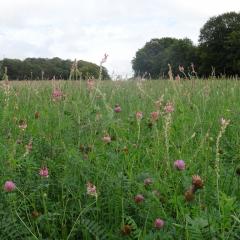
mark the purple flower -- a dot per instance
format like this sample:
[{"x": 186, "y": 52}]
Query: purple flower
[
  {"x": 147, "y": 181},
  {"x": 9, "y": 186},
  {"x": 117, "y": 109},
  {"x": 179, "y": 164},
  {"x": 43, "y": 172},
  {"x": 139, "y": 198},
  {"x": 159, "y": 223}
]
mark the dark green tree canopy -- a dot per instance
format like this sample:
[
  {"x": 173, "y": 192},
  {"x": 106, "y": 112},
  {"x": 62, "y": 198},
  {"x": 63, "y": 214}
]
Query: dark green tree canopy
[
  {"x": 154, "y": 57},
  {"x": 219, "y": 44},
  {"x": 38, "y": 68}
]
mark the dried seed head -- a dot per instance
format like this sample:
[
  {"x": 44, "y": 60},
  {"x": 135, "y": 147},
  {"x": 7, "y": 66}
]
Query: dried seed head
[
  {"x": 37, "y": 115},
  {"x": 189, "y": 195},
  {"x": 197, "y": 182},
  {"x": 148, "y": 181},
  {"x": 35, "y": 214},
  {"x": 126, "y": 230}
]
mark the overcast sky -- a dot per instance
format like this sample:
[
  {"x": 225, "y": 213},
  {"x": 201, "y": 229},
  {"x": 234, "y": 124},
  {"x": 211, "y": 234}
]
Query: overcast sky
[{"x": 87, "y": 29}]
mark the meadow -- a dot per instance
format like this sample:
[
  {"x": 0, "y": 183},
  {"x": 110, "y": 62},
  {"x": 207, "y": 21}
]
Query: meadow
[{"x": 120, "y": 160}]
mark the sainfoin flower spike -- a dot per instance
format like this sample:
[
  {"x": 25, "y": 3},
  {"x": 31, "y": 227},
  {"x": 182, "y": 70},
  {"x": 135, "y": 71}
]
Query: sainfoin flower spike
[
  {"x": 91, "y": 189},
  {"x": 9, "y": 186},
  {"x": 106, "y": 138},
  {"x": 159, "y": 223},
  {"x": 43, "y": 172},
  {"x": 139, "y": 198},
  {"x": 179, "y": 164},
  {"x": 117, "y": 108},
  {"x": 139, "y": 115}
]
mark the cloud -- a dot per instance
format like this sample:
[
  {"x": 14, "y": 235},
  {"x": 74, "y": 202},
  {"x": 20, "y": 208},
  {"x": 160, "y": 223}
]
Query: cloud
[{"x": 86, "y": 30}]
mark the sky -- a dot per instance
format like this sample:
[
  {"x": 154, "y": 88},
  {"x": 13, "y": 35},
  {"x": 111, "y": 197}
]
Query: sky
[{"x": 86, "y": 29}]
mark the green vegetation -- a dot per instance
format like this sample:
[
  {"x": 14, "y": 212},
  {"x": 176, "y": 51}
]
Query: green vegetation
[
  {"x": 43, "y": 68},
  {"x": 110, "y": 174}
]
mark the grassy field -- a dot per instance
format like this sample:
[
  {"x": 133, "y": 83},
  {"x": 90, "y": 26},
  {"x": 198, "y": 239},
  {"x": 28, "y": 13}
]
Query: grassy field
[{"x": 74, "y": 166}]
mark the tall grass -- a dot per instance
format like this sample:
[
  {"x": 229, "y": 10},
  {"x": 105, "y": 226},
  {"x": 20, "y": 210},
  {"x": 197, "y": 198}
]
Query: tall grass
[{"x": 66, "y": 138}]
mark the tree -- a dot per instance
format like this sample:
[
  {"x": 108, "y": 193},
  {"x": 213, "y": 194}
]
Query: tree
[
  {"x": 155, "y": 56},
  {"x": 35, "y": 68},
  {"x": 219, "y": 45}
]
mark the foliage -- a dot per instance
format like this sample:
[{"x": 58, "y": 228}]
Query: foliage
[
  {"x": 43, "y": 68},
  {"x": 155, "y": 56},
  {"x": 219, "y": 44},
  {"x": 67, "y": 138},
  {"x": 218, "y": 52}
]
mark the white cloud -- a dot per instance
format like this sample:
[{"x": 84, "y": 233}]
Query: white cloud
[{"x": 87, "y": 29}]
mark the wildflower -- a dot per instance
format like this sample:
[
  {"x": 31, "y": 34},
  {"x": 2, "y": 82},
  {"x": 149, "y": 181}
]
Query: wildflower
[
  {"x": 29, "y": 146},
  {"x": 104, "y": 59},
  {"x": 154, "y": 116},
  {"x": 189, "y": 195},
  {"x": 139, "y": 198},
  {"x": 147, "y": 181},
  {"x": 35, "y": 214},
  {"x": 91, "y": 189},
  {"x": 126, "y": 230},
  {"x": 37, "y": 115},
  {"x": 224, "y": 122},
  {"x": 43, "y": 172},
  {"x": 197, "y": 182},
  {"x": 158, "y": 103},
  {"x": 125, "y": 149},
  {"x": 169, "y": 107},
  {"x": 22, "y": 125},
  {"x": 117, "y": 109},
  {"x": 106, "y": 138},
  {"x": 90, "y": 84},
  {"x": 159, "y": 223},
  {"x": 156, "y": 193},
  {"x": 139, "y": 115},
  {"x": 177, "y": 78},
  {"x": 9, "y": 186},
  {"x": 57, "y": 94},
  {"x": 179, "y": 164}
]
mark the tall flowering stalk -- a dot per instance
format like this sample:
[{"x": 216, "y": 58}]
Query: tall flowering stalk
[
  {"x": 224, "y": 123},
  {"x": 104, "y": 59},
  {"x": 168, "y": 120},
  {"x": 170, "y": 73}
]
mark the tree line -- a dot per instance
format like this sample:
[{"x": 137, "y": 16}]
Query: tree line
[
  {"x": 217, "y": 54},
  {"x": 44, "y": 68}
]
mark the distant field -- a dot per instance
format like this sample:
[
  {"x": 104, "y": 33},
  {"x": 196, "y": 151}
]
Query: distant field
[{"x": 81, "y": 164}]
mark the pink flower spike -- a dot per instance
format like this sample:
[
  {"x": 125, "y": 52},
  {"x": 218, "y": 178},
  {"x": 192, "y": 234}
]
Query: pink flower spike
[
  {"x": 57, "y": 94},
  {"x": 169, "y": 108},
  {"x": 147, "y": 181},
  {"x": 139, "y": 198},
  {"x": 117, "y": 109},
  {"x": 90, "y": 84},
  {"x": 9, "y": 186},
  {"x": 179, "y": 164},
  {"x": 159, "y": 223},
  {"x": 139, "y": 115},
  {"x": 22, "y": 125},
  {"x": 154, "y": 116},
  {"x": 91, "y": 189},
  {"x": 106, "y": 139},
  {"x": 43, "y": 172}
]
